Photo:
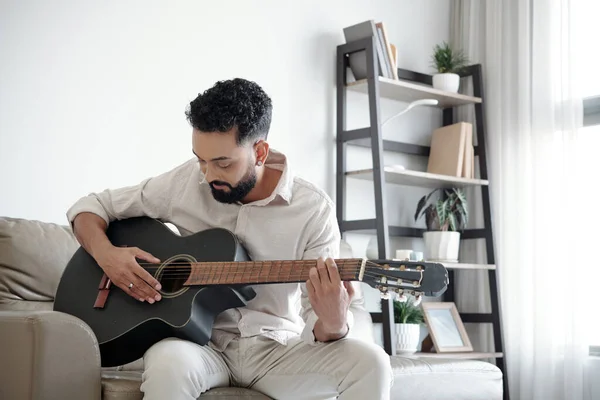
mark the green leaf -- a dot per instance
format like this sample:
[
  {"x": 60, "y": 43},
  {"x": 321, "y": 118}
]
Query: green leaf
[
  {"x": 462, "y": 213},
  {"x": 462, "y": 217},
  {"x": 420, "y": 206},
  {"x": 447, "y": 213},
  {"x": 422, "y": 202},
  {"x": 441, "y": 212},
  {"x": 461, "y": 195},
  {"x": 445, "y": 59},
  {"x": 452, "y": 220},
  {"x": 407, "y": 312}
]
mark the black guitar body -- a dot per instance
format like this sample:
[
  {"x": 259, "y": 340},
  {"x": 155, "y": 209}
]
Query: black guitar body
[{"x": 125, "y": 327}]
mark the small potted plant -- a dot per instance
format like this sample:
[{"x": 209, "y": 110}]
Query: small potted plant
[
  {"x": 444, "y": 218},
  {"x": 448, "y": 63},
  {"x": 408, "y": 318}
]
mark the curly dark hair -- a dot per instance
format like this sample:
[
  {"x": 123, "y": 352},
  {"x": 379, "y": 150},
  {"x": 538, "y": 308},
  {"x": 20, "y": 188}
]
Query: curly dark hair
[{"x": 232, "y": 103}]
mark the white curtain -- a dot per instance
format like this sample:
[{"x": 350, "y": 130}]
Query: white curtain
[{"x": 542, "y": 184}]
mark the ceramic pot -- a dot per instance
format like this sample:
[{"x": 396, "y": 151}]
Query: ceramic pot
[
  {"x": 441, "y": 245},
  {"x": 407, "y": 338},
  {"x": 446, "y": 82}
]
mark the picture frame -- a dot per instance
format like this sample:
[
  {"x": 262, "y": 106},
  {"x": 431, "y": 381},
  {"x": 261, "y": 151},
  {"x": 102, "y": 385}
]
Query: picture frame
[{"x": 446, "y": 327}]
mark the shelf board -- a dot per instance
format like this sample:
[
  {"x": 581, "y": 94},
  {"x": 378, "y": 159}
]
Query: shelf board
[
  {"x": 452, "y": 265},
  {"x": 417, "y": 178},
  {"x": 368, "y": 227},
  {"x": 398, "y": 147},
  {"x": 465, "y": 355},
  {"x": 408, "y": 91}
]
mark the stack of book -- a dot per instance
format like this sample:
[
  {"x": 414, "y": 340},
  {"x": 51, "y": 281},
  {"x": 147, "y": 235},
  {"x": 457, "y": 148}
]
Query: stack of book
[
  {"x": 387, "y": 54},
  {"x": 452, "y": 152}
]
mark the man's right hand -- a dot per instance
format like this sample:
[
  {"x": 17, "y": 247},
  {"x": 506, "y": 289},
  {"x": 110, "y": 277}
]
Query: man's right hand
[{"x": 121, "y": 266}]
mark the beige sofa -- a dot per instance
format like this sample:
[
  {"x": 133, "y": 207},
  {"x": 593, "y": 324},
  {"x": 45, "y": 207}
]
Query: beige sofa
[{"x": 50, "y": 355}]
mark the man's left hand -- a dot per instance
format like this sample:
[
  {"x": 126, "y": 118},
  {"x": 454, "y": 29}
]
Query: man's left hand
[{"x": 330, "y": 299}]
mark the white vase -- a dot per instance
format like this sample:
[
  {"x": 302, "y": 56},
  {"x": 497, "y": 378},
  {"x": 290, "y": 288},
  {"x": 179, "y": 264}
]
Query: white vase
[
  {"x": 372, "y": 252},
  {"x": 441, "y": 245},
  {"x": 447, "y": 82},
  {"x": 407, "y": 338}
]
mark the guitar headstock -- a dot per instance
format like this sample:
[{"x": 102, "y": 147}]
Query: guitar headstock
[{"x": 412, "y": 277}]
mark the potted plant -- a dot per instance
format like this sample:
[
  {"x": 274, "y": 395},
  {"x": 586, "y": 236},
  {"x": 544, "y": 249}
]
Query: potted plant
[
  {"x": 444, "y": 218},
  {"x": 408, "y": 318},
  {"x": 447, "y": 63}
]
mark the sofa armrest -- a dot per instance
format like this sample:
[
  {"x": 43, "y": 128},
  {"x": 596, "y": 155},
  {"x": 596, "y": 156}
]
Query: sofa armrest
[{"x": 47, "y": 355}]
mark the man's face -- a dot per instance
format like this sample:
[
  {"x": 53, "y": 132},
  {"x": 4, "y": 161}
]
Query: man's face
[{"x": 228, "y": 168}]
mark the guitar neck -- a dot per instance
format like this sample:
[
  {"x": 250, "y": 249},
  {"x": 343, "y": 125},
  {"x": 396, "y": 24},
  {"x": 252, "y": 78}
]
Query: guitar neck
[{"x": 256, "y": 272}]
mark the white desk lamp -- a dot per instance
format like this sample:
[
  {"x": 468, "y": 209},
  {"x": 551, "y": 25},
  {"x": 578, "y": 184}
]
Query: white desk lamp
[{"x": 416, "y": 103}]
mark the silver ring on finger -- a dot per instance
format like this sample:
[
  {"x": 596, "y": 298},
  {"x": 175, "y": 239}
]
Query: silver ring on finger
[{"x": 130, "y": 285}]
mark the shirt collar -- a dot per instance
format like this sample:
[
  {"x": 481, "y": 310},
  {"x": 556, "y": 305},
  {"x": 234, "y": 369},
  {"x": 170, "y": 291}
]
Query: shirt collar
[{"x": 282, "y": 194}]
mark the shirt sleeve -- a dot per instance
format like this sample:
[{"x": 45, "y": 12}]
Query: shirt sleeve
[
  {"x": 152, "y": 197},
  {"x": 324, "y": 241}
]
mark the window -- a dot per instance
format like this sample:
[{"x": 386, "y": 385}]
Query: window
[
  {"x": 587, "y": 69},
  {"x": 589, "y": 140}
]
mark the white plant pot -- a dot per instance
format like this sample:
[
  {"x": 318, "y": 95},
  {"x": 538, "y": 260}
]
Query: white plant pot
[
  {"x": 447, "y": 82},
  {"x": 441, "y": 245},
  {"x": 407, "y": 338},
  {"x": 372, "y": 252}
]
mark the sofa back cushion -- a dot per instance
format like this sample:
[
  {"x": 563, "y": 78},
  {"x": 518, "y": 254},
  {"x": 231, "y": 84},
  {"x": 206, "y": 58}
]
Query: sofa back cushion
[{"x": 33, "y": 256}]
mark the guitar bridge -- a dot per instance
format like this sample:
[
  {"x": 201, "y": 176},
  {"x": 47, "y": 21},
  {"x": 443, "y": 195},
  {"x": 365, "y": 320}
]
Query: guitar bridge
[{"x": 103, "y": 290}]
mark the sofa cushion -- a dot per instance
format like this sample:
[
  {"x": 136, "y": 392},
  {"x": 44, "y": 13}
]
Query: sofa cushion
[
  {"x": 414, "y": 379},
  {"x": 33, "y": 255},
  {"x": 126, "y": 385},
  {"x": 421, "y": 378},
  {"x": 24, "y": 305}
]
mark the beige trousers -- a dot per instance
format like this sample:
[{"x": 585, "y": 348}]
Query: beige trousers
[{"x": 347, "y": 369}]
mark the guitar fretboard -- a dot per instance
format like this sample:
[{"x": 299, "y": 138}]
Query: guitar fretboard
[{"x": 256, "y": 272}]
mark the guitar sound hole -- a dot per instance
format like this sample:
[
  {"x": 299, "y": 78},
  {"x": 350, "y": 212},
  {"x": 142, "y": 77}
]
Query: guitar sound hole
[{"x": 173, "y": 275}]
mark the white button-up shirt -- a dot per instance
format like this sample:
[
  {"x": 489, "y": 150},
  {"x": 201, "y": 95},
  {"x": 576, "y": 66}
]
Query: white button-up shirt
[{"x": 297, "y": 221}]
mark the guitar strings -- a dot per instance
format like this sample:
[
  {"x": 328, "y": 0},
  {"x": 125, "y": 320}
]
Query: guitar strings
[
  {"x": 204, "y": 272},
  {"x": 242, "y": 270},
  {"x": 251, "y": 267},
  {"x": 214, "y": 272},
  {"x": 232, "y": 270},
  {"x": 292, "y": 278},
  {"x": 304, "y": 262},
  {"x": 207, "y": 270},
  {"x": 252, "y": 264},
  {"x": 212, "y": 275}
]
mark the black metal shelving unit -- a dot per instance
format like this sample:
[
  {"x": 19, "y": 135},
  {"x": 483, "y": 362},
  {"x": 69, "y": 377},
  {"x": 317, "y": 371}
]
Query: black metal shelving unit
[{"x": 410, "y": 86}]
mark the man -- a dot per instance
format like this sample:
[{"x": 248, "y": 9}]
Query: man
[{"x": 235, "y": 181}]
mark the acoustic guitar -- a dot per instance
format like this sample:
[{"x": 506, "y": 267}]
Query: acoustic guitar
[{"x": 201, "y": 275}]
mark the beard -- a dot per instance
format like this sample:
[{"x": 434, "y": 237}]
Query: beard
[{"x": 236, "y": 193}]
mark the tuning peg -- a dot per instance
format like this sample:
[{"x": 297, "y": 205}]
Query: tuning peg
[
  {"x": 418, "y": 299},
  {"x": 399, "y": 295},
  {"x": 384, "y": 293}
]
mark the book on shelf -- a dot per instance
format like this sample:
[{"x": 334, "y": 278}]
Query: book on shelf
[
  {"x": 468, "y": 163},
  {"x": 451, "y": 151},
  {"x": 395, "y": 57},
  {"x": 386, "y": 52}
]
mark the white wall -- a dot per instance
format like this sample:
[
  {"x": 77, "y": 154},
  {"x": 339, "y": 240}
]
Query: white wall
[{"x": 93, "y": 93}]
